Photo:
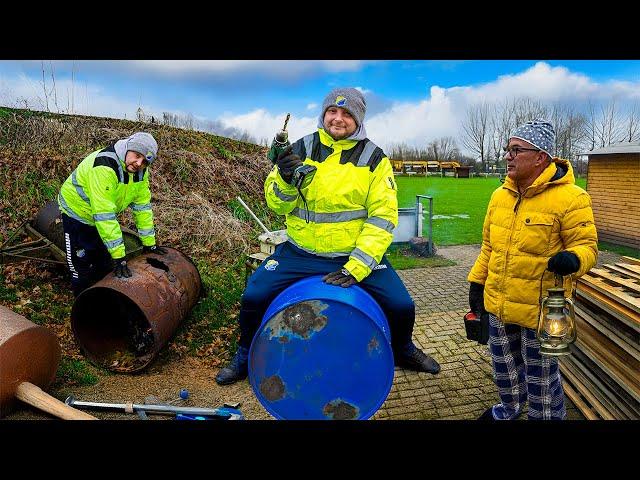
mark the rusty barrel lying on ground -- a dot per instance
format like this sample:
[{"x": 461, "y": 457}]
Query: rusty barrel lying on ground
[
  {"x": 122, "y": 323},
  {"x": 48, "y": 222},
  {"x": 28, "y": 353},
  {"x": 322, "y": 352}
]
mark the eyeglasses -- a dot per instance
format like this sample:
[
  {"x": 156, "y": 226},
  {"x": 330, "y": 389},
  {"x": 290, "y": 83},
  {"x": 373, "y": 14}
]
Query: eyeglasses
[{"x": 515, "y": 150}]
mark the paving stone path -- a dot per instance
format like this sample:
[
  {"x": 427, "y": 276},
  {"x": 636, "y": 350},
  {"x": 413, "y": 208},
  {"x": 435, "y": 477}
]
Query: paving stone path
[{"x": 464, "y": 387}]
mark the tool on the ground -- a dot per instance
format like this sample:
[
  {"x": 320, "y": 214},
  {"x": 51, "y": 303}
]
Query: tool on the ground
[
  {"x": 213, "y": 413},
  {"x": 280, "y": 142},
  {"x": 29, "y": 358},
  {"x": 224, "y": 413},
  {"x": 477, "y": 327}
]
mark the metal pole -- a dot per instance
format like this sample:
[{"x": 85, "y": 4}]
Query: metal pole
[
  {"x": 430, "y": 220},
  {"x": 253, "y": 215}
]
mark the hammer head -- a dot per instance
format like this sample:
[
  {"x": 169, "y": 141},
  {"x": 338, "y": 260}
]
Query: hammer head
[{"x": 28, "y": 353}]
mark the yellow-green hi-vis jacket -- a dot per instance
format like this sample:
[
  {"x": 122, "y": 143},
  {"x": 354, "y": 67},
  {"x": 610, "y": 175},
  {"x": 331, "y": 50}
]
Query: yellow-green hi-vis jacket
[
  {"x": 352, "y": 204},
  {"x": 521, "y": 233},
  {"x": 100, "y": 188}
]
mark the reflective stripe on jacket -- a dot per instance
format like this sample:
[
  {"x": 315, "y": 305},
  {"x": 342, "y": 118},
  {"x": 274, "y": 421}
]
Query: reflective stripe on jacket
[
  {"x": 521, "y": 233},
  {"x": 352, "y": 205},
  {"x": 100, "y": 188}
]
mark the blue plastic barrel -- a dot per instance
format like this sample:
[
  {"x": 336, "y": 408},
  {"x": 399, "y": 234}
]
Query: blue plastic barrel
[{"x": 322, "y": 352}]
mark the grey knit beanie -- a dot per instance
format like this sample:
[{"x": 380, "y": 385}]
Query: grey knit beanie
[
  {"x": 143, "y": 143},
  {"x": 538, "y": 133},
  {"x": 348, "y": 98}
]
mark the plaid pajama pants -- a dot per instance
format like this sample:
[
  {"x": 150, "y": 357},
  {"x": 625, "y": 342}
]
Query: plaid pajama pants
[{"x": 522, "y": 374}]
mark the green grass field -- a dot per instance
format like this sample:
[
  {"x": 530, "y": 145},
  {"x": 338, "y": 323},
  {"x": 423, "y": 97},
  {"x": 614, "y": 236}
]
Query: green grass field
[{"x": 459, "y": 205}]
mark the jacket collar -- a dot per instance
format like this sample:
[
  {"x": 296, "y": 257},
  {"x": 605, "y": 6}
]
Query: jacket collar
[
  {"x": 559, "y": 171},
  {"x": 328, "y": 140}
]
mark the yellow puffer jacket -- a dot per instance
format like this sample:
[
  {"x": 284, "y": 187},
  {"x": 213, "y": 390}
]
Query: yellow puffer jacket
[{"x": 521, "y": 233}]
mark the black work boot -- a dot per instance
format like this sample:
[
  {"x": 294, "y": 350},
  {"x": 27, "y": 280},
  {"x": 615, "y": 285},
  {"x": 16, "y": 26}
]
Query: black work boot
[
  {"x": 236, "y": 370},
  {"x": 412, "y": 358}
]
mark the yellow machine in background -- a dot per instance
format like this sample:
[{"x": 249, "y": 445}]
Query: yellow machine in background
[{"x": 422, "y": 167}]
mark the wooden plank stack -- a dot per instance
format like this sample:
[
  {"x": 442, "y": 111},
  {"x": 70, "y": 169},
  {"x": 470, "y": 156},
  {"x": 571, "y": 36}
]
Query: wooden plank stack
[{"x": 602, "y": 376}]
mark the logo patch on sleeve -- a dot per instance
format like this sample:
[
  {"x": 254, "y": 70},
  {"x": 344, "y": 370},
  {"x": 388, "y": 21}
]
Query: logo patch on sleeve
[{"x": 271, "y": 265}]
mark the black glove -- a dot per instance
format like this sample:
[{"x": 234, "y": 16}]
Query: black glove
[
  {"x": 564, "y": 263},
  {"x": 120, "y": 268},
  {"x": 154, "y": 249},
  {"x": 476, "y": 298},
  {"x": 287, "y": 163},
  {"x": 341, "y": 277}
]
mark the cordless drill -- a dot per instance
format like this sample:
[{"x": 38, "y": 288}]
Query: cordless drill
[{"x": 280, "y": 142}]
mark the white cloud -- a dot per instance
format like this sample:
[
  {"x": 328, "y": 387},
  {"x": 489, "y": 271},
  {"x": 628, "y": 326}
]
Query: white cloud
[
  {"x": 280, "y": 69},
  {"x": 262, "y": 124},
  {"x": 364, "y": 91},
  {"x": 443, "y": 110},
  {"x": 78, "y": 98},
  {"x": 415, "y": 123}
]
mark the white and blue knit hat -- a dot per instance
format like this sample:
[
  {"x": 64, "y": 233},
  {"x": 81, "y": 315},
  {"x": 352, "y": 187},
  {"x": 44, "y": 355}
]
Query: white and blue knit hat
[
  {"x": 538, "y": 133},
  {"x": 351, "y": 99}
]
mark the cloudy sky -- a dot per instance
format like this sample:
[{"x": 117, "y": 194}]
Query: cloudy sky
[{"x": 410, "y": 102}]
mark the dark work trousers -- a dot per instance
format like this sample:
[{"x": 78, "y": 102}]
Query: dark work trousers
[
  {"x": 88, "y": 259},
  {"x": 294, "y": 264}
]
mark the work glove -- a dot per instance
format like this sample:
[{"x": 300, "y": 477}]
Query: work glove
[
  {"x": 154, "y": 249},
  {"x": 120, "y": 268},
  {"x": 287, "y": 163},
  {"x": 476, "y": 298},
  {"x": 564, "y": 263},
  {"x": 341, "y": 278}
]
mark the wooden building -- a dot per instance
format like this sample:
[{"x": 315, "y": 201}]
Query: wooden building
[{"x": 613, "y": 181}]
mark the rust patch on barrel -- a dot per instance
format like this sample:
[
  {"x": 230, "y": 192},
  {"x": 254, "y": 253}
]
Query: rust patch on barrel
[
  {"x": 373, "y": 345},
  {"x": 338, "y": 409},
  {"x": 272, "y": 388},
  {"x": 302, "y": 319}
]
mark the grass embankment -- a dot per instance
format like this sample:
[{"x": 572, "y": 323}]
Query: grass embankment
[{"x": 194, "y": 185}]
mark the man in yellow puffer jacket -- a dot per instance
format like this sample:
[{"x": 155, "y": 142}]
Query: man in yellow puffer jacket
[
  {"x": 338, "y": 225},
  {"x": 538, "y": 223}
]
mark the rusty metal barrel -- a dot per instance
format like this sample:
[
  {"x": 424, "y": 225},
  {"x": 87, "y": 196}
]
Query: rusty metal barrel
[
  {"x": 122, "y": 323},
  {"x": 28, "y": 353},
  {"x": 48, "y": 222}
]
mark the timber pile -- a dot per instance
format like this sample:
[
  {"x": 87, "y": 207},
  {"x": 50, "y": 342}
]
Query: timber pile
[{"x": 602, "y": 376}]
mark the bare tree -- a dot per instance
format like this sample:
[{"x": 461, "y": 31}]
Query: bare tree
[
  {"x": 55, "y": 90},
  {"x": 589, "y": 127},
  {"x": 44, "y": 87},
  {"x": 608, "y": 124},
  {"x": 475, "y": 130},
  {"x": 632, "y": 128},
  {"x": 503, "y": 121},
  {"x": 526, "y": 109},
  {"x": 569, "y": 127},
  {"x": 443, "y": 148}
]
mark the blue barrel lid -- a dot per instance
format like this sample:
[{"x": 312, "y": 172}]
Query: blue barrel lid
[{"x": 322, "y": 352}]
